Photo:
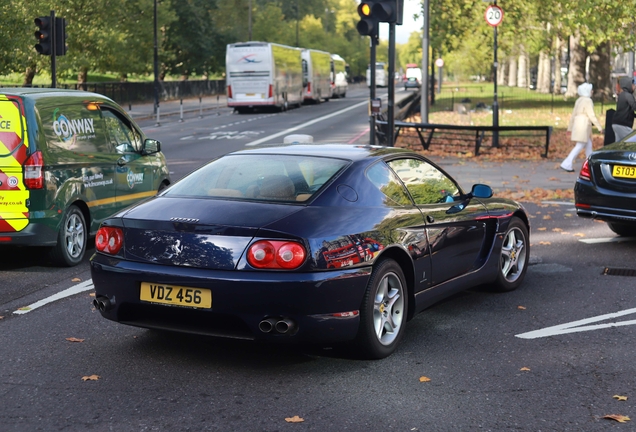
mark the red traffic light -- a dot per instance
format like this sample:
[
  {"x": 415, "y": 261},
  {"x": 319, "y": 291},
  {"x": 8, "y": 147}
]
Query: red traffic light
[{"x": 43, "y": 35}]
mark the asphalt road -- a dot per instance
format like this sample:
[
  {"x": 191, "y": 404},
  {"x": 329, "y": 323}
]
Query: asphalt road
[{"x": 549, "y": 356}]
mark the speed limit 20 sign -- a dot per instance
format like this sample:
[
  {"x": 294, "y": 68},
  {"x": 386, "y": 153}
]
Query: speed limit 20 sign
[{"x": 493, "y": 15}]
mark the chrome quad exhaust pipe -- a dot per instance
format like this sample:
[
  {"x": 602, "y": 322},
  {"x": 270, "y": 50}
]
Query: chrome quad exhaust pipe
[
  {"x": 279, "y": 325},
  {"x": 102, "y": 303}
]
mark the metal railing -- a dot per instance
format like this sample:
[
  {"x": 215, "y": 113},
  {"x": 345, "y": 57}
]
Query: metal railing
[{"x": 126, "y": 93}]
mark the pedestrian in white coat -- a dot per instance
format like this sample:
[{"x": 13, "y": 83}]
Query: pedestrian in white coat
[{"x": 580, "y": 127}]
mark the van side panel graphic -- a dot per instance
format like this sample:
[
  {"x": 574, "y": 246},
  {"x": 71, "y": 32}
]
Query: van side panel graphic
[{"x": 13, "y": 154}]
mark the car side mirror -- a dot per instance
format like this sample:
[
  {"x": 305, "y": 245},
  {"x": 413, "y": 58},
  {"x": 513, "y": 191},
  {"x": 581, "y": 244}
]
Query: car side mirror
[
  {"x": 151, "y": 146},
  {"x": 481, "y": 191}
]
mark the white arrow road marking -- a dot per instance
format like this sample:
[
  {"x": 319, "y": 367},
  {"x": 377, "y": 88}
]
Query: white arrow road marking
[
  {"x": 80, "y": 287},
  {"x": 580, "y": 326}
]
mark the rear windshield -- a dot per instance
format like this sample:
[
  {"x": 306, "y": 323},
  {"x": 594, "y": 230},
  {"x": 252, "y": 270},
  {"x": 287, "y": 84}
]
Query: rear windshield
[
  {"x": 11, "y": 127},
  {"x": 258, "y": 177}
]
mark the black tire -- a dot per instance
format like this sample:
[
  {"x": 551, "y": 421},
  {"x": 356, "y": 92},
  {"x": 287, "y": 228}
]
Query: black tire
[
  {"x": 383, "y": 311},
  {"x": 71, "y": 239},
  {"x": 513, "y": 256},
  {"x": 625, "y": 230}
]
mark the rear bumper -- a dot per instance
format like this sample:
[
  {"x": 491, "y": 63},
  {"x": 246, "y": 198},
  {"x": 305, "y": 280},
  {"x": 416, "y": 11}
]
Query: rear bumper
[
  {"x": 592, "y": 202},
  {"x": 240, "y": 300},
  {"x": 35, "y": 234}
]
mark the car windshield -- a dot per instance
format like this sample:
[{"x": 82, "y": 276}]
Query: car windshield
[{"x": 258, "y": 177}]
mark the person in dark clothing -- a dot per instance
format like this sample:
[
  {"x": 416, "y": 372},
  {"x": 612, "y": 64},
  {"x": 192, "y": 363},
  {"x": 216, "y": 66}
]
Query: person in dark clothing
[{"x": 623, "y": 120}]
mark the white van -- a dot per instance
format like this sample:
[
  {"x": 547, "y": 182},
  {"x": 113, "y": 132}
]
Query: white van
[
  {"x": 413, "y": 78},
  {"x": 263, "y": 74}
]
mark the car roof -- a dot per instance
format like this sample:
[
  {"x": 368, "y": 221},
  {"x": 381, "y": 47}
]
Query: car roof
[
  {"x": 342, "y": 151},
  {"x": 45, "y": 92}
]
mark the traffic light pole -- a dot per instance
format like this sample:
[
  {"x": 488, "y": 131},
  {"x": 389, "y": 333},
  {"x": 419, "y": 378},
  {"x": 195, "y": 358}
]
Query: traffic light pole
[
  {"x": 53, "y": 53},
  {"x": 372, "y": 90},
  {"x": 391, "y": 83}
]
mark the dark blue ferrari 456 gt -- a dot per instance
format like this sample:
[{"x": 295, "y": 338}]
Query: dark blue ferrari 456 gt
[{"x": 306, "y": 243}]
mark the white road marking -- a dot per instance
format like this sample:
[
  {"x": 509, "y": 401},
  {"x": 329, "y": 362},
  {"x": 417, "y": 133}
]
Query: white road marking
[
  {"x": 80, "y": 287},
  {"x": 309, "y": 123},
  {"x": 557, "y": 202},
  {"x": 608, "y": 240},
  {"x": 580, "y": 326}
]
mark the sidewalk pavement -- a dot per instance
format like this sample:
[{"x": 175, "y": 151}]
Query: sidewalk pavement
[{"x": 511, "y": 174}]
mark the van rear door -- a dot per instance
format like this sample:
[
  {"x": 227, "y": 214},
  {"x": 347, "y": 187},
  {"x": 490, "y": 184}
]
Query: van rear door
[{"x": 14, "y": 214}]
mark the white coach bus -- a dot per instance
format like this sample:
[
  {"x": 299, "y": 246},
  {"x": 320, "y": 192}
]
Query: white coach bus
[
  {"x": 380, "y": 75},
  {"x": 339, "y": 75},
  {"x": 263, "y": 74},
  {"x": 316, "y": 75}
]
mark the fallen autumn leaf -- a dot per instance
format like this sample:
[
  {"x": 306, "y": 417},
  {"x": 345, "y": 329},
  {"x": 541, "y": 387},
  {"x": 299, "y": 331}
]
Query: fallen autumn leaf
[
  {"x": 76, "y": 280},
  {"x": 294, "y": 419},
  {"x": 424, "y": 379},
  {"x": 73, "y": 339},
  {"x": 619, "y": 418},
  {"x": 620, "y": 398},
  {"x": 524, "y": 369},
  {"x": 521, "y": 307},
  {"x": 91, "y": 378}
]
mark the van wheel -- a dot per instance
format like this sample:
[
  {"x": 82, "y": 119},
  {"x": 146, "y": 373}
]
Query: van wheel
[{"x": 71, "y": 239}]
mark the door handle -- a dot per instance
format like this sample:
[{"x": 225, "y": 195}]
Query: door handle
[{"x": 430, "y": 219}]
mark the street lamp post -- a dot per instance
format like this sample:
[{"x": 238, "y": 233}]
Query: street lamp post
[{"x": 156, "y": 64}]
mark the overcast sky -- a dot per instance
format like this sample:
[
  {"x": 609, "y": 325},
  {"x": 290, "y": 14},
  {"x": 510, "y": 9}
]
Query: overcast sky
[{"x": 408, "y": 26}]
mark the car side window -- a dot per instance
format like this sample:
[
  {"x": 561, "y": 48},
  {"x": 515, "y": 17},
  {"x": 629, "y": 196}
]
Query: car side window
[
  {"x": 123, "y": 137},
  {"x": 387, "y": 182},
  {"x": 425, "y": 183}
]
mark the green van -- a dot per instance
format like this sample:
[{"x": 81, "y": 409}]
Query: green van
[{"x": 68, "y": 160}]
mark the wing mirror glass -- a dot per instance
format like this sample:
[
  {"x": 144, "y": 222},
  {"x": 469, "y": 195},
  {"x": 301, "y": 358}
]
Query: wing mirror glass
[
  {"x": 481, "y": 191},
  {"x": 151, "y": 146}
]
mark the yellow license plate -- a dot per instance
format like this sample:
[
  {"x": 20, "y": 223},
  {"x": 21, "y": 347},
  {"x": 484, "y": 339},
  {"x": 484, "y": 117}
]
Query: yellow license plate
[
  {"x": 250, "y": 94},
  {"x": 176, "y": 295},
  {"x": 624, "y": 171}
]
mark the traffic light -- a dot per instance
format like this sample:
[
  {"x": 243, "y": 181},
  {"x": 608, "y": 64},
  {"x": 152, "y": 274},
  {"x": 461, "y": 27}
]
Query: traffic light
[
  {"x": 376, "y": 11},
  {"x": 43, "y": 35},
  {"x": 60, "y": 36},
  {"x": 367, "y": 26}
]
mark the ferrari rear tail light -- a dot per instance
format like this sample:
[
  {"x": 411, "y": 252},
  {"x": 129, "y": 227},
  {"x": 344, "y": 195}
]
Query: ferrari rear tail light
[
  {"x": 276, "y": 254},
  {"x": 270, "y": 94},
  {"x": 229, "y": 92},
  {"x": 109, "y": 240},
  {"x": 585, "y": 173},
  {"x": 33, "y": 175},
  {"x": 308, "y": 88}
]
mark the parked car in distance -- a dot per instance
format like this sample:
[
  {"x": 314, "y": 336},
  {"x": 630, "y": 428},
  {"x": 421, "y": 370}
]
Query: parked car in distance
[
  {"x": 606, "y": 187},
  {"x": 68, "y": 160},
  {"x": 306, "y": 243}
]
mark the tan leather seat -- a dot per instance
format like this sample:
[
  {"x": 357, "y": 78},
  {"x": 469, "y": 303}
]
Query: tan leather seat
[{"x": 277, "y": 187}]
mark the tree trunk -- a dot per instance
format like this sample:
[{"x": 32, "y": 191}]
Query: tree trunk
[
  {"x": 543, "y": 73},
  {"x": 522, "y": 72},
  {"x": 82, "y": 78},
  {"x": 557, "y": 65},
  {"x": 512, "y": 72},
  {"x": 29, "y": 73},
  {"x": 600, "y": 72},
  {"x": 576, "y": 69}
]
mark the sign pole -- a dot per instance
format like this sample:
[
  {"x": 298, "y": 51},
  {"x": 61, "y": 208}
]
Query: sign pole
[
  {"x": 391, "y": 83},
  {"x": 494, "y": 16},
  {"x": 372, "y": 90}
]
